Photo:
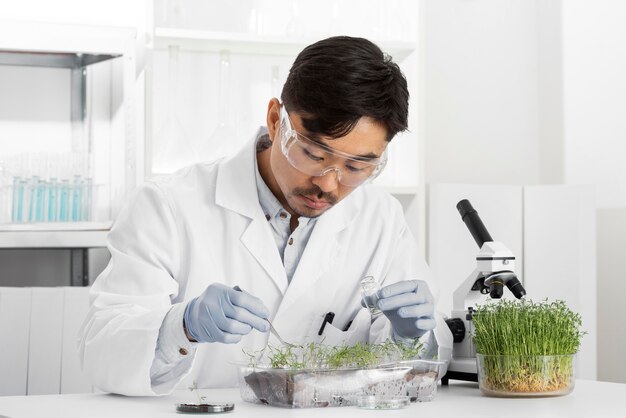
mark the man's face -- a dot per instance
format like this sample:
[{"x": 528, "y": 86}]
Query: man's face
[{"x": 308, "y": 195}]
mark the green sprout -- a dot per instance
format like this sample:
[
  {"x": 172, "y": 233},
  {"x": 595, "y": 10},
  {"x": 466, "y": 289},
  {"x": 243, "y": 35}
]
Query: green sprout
[
  {"x": 319, "y": 356},
  {"x": 526, "y": 332},
  {"x": 194, "y": 388}
]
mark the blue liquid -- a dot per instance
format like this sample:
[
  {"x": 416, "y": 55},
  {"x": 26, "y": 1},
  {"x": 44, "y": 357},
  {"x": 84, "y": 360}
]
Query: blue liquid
[
  {"x": 32, "y": 198},
  {"x": 41, "y": 201},
  {"x": 77, "y": 200},
  {"x": 53, "y": 214},
  {"x": 87, "y": 196},
  {"x": 64, "y": 201}
]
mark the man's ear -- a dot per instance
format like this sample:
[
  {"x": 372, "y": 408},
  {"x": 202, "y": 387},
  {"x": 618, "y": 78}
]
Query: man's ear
[{"x": 273, "y": 117}]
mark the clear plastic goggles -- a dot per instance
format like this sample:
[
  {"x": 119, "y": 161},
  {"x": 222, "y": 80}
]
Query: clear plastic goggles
[{"x": 315, "y": 159}]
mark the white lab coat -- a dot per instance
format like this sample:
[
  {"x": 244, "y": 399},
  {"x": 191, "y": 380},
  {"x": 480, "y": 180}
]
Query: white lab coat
[{"x": 203, "y": 225}]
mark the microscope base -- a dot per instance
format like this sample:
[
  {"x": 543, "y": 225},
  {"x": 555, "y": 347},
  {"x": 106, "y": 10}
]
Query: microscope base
[
  {"x": 466, "y": 377},
  {"x": 461, "y": 369}
]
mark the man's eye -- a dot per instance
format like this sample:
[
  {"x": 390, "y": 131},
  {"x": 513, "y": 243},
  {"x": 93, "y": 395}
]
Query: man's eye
[
  {"x": 354, "y": 168},
  {"x": 312, "y": 156}
]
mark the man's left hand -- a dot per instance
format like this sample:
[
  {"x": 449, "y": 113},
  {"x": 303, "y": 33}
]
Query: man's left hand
[{"x": 409, "y": 307}]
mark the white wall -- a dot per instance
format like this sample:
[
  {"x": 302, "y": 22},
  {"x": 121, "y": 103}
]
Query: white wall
[
  {"x": 480, "y": 91},
  {"x": 534, "y": 92},
  {"x": 594, "y": 65},
  {"x": 594, "y": 99}
]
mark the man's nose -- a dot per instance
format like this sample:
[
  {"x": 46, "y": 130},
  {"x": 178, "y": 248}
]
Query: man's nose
[{"x": 328, "y": 181}]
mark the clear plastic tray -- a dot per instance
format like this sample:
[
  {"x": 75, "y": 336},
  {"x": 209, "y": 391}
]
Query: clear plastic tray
[
  {"x": 383, "y": 402},
  {"x": 296, "y": 388}
]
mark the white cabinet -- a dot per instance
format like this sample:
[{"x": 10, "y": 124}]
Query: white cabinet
[
  {"x": 38, "y": 336},
  {"x": 71, "y": 113},
  {"x": 549, "y": 229}
]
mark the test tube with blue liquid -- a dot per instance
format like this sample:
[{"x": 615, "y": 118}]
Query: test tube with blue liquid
[
  {"x": 44, "y": 194},
  {"x": 64, "y": 200},
  {"x": 53, "y": 201},
  {"x": 32, "y": 185},
  {"x": 87, "y": 197},
  {"x": 77, "y": 201},
  {"x": 41, "y": 201}
]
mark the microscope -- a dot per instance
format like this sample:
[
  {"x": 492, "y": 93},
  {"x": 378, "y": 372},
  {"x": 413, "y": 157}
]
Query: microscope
[{"x": 495, "y": 269}]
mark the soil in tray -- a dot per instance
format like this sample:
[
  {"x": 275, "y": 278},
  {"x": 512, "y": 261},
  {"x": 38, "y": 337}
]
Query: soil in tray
[{"x": 272, "y": 388}]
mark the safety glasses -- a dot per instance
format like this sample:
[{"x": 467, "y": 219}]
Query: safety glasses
[{"x": 316, "y": 159}]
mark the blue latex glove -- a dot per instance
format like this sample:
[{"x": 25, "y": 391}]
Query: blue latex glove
[
  {"x": 409, "y": 307},
  {"x": 223, "y": 314}
]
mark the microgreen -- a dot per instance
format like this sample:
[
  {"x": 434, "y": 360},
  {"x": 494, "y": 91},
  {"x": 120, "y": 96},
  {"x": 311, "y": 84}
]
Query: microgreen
[
  {"x": 526, "y": 332},
  {"x": 526, "y": 328},
  {"x": 319, "y": 356},
  {"x": 194, "y": 388}
]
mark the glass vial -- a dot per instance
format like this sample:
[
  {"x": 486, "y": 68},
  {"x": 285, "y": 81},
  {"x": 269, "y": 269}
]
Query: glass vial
[
  {"x": 172, "y": 147},
  {"x": 369, "y": 294}
]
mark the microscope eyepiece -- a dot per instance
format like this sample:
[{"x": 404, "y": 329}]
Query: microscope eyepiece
[{"x": 473, "y": 222}]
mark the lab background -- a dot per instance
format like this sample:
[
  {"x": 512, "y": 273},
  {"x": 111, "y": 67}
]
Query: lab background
[{"x": 517, "y": 105}]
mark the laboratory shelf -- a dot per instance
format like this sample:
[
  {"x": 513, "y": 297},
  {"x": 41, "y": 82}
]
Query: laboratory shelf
[
  {"x": 111, "y": 144},
  {"x": 55, "y": 235},
  {"x": 52, "y": 59},
  {"x": 242, "y": 43},
  {"x": 60, "y": 45}
]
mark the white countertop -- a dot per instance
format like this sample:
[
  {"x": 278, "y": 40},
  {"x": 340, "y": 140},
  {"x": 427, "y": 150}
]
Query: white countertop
[{"x": 462, "y": 400}]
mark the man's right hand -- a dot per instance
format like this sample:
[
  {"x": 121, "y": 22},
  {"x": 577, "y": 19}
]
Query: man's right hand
[{"x": 223, "y": 314}]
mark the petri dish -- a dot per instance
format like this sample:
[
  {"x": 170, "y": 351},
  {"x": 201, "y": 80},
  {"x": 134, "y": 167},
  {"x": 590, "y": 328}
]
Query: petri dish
[
  {"x": 204, "y": 408},
  {"x": 383, "y": 402}
]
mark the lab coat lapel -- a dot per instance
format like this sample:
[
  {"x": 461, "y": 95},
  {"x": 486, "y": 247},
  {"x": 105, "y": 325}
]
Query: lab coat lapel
[
  {"x": 321, "y": 253},
  {"x": 236, "y": 190}
]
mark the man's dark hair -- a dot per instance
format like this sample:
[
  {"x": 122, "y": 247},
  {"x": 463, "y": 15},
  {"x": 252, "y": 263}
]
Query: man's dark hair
[{"x": 336, "y": 81}]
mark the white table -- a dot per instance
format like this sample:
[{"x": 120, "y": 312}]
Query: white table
[{"x": 589, "y": 398}]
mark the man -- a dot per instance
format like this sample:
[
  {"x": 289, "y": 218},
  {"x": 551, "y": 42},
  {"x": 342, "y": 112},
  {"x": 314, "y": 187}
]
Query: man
[{"x": 283, "y": 231}]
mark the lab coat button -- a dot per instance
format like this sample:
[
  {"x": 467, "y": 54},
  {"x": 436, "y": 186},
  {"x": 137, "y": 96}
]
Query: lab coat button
[
  {"x": 283, "y": 215},
  {"x": 183, "y": 351},
  {"x": 267, "y": 216},
  {"x": 290, "y": 240}
]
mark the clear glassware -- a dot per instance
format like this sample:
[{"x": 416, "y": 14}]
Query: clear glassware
[
  {"x": 525, "y": 375},
  {"x": 223, "y": 140},
  {"x": 77, "y": 198},
  {"x": 369, "y": 294},
  {"x": 173, "y": 13},
  {"x": 5, "y": 194},
  {"x": 53, "y": 190},
  {"x": 17, "y": 200},
  {"x": 275, "y": 84},
  {"x": 64, "y": 200},
  {"x": 40, "y": 209},
  {"x": 172, "y": 149},
  {"x": 256, "y": 21},
  {"x": 33, "y": 186},
  {"x": 334, "y": 28},
  {"x": 296, "y": 27},
  {"x": 87, "y": 199}
]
